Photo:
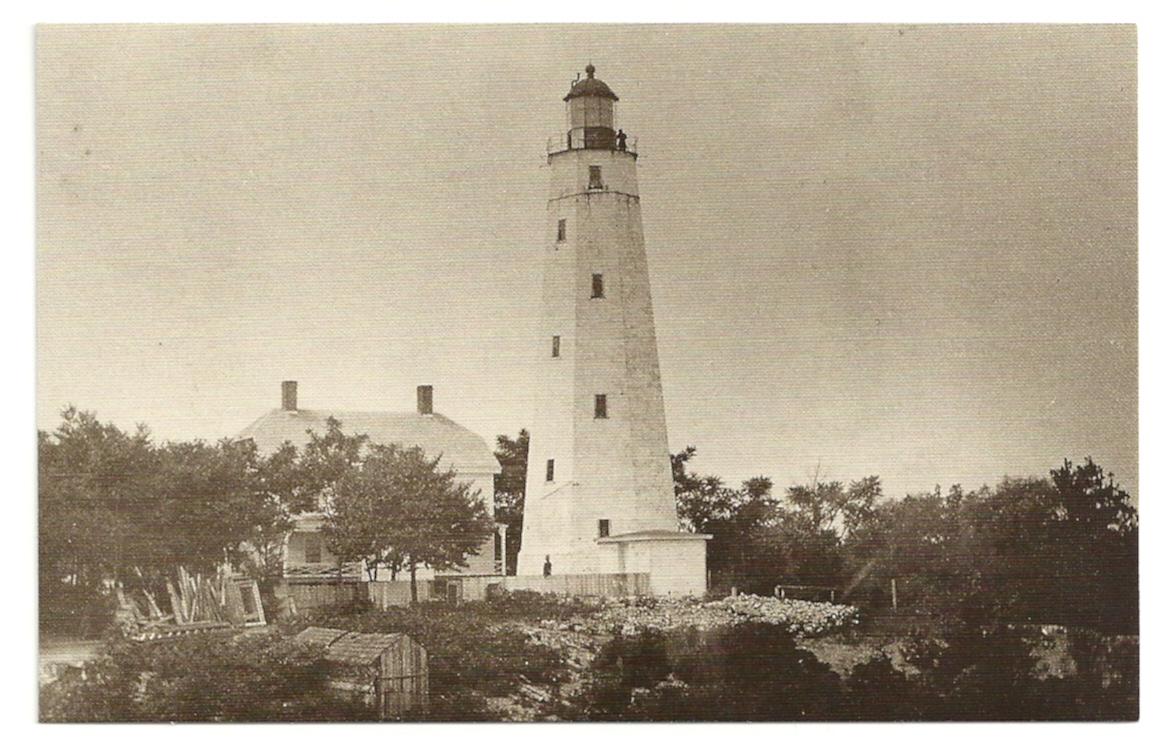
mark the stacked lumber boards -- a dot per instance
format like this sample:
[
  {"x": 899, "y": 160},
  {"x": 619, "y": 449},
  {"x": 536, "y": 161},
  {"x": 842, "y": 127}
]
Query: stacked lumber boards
[{"x": 196, "y": 602}]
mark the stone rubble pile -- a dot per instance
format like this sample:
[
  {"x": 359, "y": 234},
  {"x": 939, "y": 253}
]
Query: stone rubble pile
[{"x": 627, "y": 617}]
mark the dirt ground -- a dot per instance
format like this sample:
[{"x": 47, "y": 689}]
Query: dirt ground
[{"x": 56, "y": 654}]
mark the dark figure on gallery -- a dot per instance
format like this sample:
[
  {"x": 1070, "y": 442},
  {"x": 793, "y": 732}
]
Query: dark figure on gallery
[
  {"x": 621, "y": 140},
  {"x": 546, "y": 568}
]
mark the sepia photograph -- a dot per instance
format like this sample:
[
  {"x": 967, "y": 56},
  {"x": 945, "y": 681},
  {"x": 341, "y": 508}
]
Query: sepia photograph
[{"x": 364, "y": 393}]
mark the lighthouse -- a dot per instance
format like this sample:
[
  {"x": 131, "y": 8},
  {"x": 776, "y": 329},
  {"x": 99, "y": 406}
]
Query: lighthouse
[{"x": 599, "y": 488}]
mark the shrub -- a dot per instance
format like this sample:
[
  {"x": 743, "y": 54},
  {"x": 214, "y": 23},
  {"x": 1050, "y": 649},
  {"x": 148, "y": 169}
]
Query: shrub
[
  {"x": 877, "y": 691},
  {"x": 200, "y": 678},
  {"x": 752, "y": 671},
  {"x": 990, "y": 673},
  {"x": 475, "y": 650},
  {"x": 524, "y": 605}
]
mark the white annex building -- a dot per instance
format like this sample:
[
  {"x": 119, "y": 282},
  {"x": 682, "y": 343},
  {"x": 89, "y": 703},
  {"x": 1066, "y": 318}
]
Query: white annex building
[{"x": 599, "y": 489}]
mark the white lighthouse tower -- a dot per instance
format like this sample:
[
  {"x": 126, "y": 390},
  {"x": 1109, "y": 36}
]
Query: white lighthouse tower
[{"x": 599, "y": 488}]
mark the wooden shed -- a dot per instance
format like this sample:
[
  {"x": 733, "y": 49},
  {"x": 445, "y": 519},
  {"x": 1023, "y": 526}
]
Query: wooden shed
[{"x": 389, "y": 672}]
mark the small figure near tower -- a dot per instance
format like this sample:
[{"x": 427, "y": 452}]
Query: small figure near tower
[{"x": 599, "y": 489}]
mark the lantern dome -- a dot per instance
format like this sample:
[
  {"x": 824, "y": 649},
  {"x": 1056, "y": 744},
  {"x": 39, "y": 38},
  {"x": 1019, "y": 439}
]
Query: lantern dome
[{"x": 590, "y": 86}]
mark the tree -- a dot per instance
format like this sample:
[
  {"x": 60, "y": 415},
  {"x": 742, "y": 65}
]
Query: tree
[
  {"x": 324, "y": 461},
  {"x": 700, "y": 499},
  {"x": 111, "y": 502},
  {"x": 208, "y": 506},
  {"x": 93, "y": 489},
  {"x": 738, "y": 520},
  {"x": 832, "y": 507},
  {"x": 509, "y": 492},
  {"x": 115, "y": 507},
  {"x": 394, "y": 503},
  {"x": 279, "y": 489},
  {"x": 920, "y": 540},
  {"x": 1097, "y": 520},
  {"x": 1061, "y": 551}
]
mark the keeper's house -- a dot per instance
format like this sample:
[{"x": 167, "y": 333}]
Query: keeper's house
[{"x": 305, "y": 555}]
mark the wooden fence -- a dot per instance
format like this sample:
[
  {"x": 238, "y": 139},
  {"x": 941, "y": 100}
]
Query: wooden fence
[
  {"x": 592, "y": 585},
  {"x": 309, "y": 594},
  {"x": 398, "y": 592}
]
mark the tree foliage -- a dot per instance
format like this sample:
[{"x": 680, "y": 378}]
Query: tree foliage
[
  {"x": 393, "y": 505},
  {"x": 829, "y": 507},
  {"x": 701, "y": 499},
  {"x": 509, "y": 491},
  {"x": 1063, "y": 550},
  {"x": 759, "y": 541},
  {"x": 115, "y": 506},
  {"x": 1060, "y": 550}
]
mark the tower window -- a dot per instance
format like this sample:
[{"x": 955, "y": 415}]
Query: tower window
[
  {"x": 561, "y": 230},
  {"x": 600, "y": 406},
  {"x": 549, "y": 471},
  {"x": 603, "y": 528},
  {"x": 597, "y": 289},
  {"x": 596, "y": 178},
  {"x": 556, "y": 350}
]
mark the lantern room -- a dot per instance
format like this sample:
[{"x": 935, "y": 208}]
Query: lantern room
[{"x": 590, "y": 105}]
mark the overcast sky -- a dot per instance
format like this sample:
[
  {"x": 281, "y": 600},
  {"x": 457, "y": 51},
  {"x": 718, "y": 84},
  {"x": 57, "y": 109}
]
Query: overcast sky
[{"x": 903, "y": 251}]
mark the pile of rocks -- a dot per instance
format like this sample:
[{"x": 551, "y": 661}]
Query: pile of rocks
[
  {"x": 799, "y": 616},
  {"x": 631, "y": 616}
]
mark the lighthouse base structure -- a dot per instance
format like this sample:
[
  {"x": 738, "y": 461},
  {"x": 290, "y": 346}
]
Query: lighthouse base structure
[
  {"x": 661, "y": 563},
  {"x": 675, "y": 561}
]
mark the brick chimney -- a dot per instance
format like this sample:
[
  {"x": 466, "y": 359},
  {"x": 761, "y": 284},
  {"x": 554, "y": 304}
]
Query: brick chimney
[
  {"x": 425, "y": 399},
  {"x": 289, "y": 395}
]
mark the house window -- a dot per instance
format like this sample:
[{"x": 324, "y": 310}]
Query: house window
[
  {"x": 561, "y": 230},
  {"x": 600, "y": 406},
  {"x": 555, "y": 351},
  {"x": 603, "y": 528},
  {"x": 312, "y": 547},
  {"x": 597, "y": 290},
  {"x": 549, "y": 471},
  {"x": 596, "y": 178}
]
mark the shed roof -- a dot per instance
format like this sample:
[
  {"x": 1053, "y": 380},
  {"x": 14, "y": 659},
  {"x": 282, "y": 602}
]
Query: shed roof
[
  {"x": 319, "y": 635},
  {"x": 350, "y": 647},
  {"x": 460, "y": 448}
]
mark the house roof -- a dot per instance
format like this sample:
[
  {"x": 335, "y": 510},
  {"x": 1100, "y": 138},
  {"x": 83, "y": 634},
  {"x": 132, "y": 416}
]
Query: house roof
[{"x": 460, "y": 448}]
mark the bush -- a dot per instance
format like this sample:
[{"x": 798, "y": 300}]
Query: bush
[
  {"x": 876, "y": 691},
  {"x": 200, "y": 678},
  {"x": 990, "y": 673},
  {"x": 752, "y": 671},
  {"x": 524, "y": 605},
  {"x": 475, "y": 650},
  {"x": 1107, "y": 676}
]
